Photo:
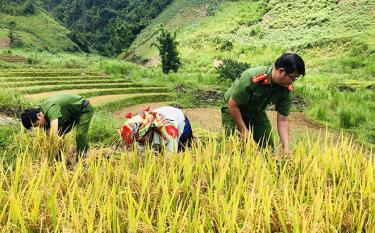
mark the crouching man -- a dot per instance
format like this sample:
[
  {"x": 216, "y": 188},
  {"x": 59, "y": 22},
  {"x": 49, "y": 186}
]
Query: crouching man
[
  {"x": 166, "y": 127},
  {"x": 59, "y": 114},
  {"x": 248, "y": 97}
]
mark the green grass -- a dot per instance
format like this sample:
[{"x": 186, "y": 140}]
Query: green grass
[
  {"x": 11, "y": 101},
  {"x": 335, "y": 38},
  {"x": 126, "y": 91},
  {"x": 351, "y": 109},
  {"x": 40, "y": 89},
  {"x": 48, "y": 73},
  {"x": 180, "y": 13},
  {"x": 122, "y": 103},
  {"x": 63, "y": 82},
  {"x": 49, "y": 78},
  {"x": 39, "y": 32}
]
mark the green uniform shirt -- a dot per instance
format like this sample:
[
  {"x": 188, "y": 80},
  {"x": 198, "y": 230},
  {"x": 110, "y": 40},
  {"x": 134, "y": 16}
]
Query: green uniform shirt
[
  {"x": 64, "y": 107},
  {"x": 253, "y": 97}
]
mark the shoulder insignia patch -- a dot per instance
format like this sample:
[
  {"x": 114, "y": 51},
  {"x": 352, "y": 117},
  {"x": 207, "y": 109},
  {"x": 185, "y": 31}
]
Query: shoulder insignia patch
[
  {"x": 290, "y": 88},
  {"x": 258, "y": 78}
]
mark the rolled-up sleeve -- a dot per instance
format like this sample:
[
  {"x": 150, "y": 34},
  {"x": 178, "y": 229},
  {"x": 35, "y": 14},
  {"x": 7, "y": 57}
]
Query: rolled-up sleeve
[{"x": 284, "y": 104}]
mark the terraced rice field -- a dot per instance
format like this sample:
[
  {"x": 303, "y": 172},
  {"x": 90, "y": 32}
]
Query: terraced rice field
[
  {"x": 102, "y": 90},
  {"x": 94, "y": 92}
]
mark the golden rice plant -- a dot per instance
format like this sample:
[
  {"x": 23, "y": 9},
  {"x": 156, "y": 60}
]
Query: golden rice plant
[{"x": 214, "y": 187}]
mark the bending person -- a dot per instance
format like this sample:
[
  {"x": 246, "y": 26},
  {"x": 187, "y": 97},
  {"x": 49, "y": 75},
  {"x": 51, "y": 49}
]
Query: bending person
[
  {"x": 59, "y": 114},
  {"x": 163, "y": 127}
]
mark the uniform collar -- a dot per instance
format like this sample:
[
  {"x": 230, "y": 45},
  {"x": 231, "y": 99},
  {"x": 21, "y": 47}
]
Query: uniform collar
[{"x": 269, "y": 75}]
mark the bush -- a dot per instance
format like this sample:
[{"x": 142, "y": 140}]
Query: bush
[
  {"x": 231, "y": 69},
  {"x": 345, "y": 117},
  {"x": 29, "y": 8},
  {"x": 11, "y": 102},
  {"x": 6, "y": 136},
  {"x": 321, "y": 113},
  {"x": 226, "y": 45}
]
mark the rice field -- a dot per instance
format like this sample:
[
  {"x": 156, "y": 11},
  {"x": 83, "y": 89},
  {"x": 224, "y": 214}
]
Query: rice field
[
  {"x": 214, "y": 187},
  {"x": 104, "y": 99},
  {"x": 38, "y": 84},
  {"x": 220, "y": 185}
]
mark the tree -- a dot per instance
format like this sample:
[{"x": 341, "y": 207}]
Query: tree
[
  {"x": 29, "y": 8},
  {"x": 167, "y": 46}
]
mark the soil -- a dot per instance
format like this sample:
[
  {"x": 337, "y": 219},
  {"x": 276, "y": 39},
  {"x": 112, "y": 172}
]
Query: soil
[
  {"x": 202, "y": 97},
  {"x": 5, "y": 119},
  {"x": 4, "y": 43}
]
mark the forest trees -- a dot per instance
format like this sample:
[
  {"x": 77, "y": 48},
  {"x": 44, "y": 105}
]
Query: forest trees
[
  {"x": 18, "y": 7},
  {"x": 106, "y": 27}
]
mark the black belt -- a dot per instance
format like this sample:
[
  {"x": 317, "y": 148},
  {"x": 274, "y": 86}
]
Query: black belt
[{"x": 85, "y": 103}]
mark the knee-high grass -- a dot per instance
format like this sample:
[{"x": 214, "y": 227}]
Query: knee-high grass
[{"x": 214, "y": 187}]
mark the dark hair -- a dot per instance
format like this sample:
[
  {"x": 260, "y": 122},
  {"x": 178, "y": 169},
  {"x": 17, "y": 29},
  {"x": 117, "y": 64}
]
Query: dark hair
[
  {"x": 291, "y": 62},
  {"x": 29, "y": 116}
]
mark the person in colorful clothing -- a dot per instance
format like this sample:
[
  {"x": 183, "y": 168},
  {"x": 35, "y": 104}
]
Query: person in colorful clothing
[
  {"x": 163, "y": 127},
  {"x": 249, "y": 96},
  {"x": 59, "y": 114}
]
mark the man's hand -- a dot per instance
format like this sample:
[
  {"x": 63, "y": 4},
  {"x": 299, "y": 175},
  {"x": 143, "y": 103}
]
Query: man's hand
[
  {"x": 54, "y": 128},
  {"x": 54, "y": 133},
  {"x": 284, "y": 132},
  {"x": 244, "y": 134},
  {"x": 237, "y": 117}
]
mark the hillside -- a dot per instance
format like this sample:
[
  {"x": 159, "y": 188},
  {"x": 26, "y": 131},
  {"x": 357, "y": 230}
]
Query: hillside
[
  {"x": 335, "y": 39},
  {"x": 240, "y": 28},
  {"x": 36, "y": 32},
  {"x": 105, "y": 27},
  {"x": 223, "y": 183}
]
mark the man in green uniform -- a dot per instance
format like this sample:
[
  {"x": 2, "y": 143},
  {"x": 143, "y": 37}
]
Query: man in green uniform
[
  {"x": 59, "y": 114},
  {"x": 249, "y": 96}
]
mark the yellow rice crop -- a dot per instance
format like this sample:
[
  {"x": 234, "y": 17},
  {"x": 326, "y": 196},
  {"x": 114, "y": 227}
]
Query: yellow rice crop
[{"x": 215, "y": 187}]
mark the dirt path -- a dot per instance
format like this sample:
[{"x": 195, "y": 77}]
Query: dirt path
[{"x": 5, "y": 119}]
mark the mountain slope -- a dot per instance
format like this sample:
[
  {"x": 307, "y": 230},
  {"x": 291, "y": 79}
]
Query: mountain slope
[
  {"x": 335, "y": 38},
  {"x": 238, "y": 28},
  {"x": 37, "y": 32}
]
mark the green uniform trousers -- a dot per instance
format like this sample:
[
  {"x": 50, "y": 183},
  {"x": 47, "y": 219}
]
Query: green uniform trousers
[
  {"x": 82, "y": 124},
  {"x": 82, "y": 129},
  {"x": 258, "y": 122}
]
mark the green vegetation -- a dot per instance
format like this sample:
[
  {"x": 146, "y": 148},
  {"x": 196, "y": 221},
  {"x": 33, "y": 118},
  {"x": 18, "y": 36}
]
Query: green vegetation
[
  {"x": 335, "y": 38},
  {"x": 230, "y": 69},
  {"x": 19, "y": 7},
  {"x": 36, "y": 32},
  {"x": 325, "y": 185},
  {"x": 168, "y": 53},
  {"x": 11, "y": 101},
  {"x": 107, "y": 27},
  {"x": 213, "y": 187}
]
